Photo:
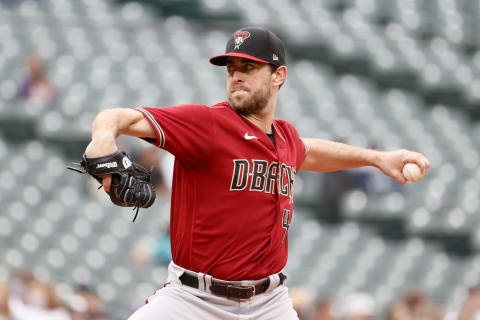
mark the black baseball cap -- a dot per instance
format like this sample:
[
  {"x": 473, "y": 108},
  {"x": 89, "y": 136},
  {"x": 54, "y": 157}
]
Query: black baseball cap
[{"x": 254, "y": 43}]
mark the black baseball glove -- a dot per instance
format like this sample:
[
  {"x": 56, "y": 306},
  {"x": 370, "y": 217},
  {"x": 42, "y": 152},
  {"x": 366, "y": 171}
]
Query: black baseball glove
[{"x": 131, "y": 184}]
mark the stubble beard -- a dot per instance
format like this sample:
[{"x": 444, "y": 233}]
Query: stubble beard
[{"x": 252, "y": 105}]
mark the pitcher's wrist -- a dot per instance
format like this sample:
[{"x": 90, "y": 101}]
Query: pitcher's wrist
[{"x": 102, "y": 143}]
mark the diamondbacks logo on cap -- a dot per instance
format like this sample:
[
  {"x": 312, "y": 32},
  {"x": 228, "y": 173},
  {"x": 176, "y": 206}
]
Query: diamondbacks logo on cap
[{"x": 239, "y": 38}]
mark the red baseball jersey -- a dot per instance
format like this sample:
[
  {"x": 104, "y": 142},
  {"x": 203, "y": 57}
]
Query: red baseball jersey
[{"x": 232, "y": 192}]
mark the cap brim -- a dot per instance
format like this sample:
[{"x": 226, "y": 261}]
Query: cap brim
[{"x": 222, "y": 59}]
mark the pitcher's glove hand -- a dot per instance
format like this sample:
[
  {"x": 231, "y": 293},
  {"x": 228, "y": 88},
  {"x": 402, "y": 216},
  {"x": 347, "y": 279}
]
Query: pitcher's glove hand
[{"x": 131, "y": 184}]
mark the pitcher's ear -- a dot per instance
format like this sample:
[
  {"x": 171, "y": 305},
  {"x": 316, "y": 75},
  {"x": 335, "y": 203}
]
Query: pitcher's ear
[{"x": 279, "y": 75}]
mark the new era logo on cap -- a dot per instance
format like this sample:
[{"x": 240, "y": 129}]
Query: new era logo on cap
[{"x": 256, "y": 44}]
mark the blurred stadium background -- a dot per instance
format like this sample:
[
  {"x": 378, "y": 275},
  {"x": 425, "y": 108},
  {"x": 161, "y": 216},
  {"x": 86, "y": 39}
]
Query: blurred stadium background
[{"x": 384, "y": 74}]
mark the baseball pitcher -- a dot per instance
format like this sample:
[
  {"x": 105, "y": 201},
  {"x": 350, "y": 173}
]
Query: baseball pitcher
[{"x": 232, "y": 193}]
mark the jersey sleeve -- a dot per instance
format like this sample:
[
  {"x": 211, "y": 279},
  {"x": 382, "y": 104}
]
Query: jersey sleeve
[
  {"x": 300, "y": 147},
  {"x": 301, "y": 150},
  {"x": 186, "y": 131}
]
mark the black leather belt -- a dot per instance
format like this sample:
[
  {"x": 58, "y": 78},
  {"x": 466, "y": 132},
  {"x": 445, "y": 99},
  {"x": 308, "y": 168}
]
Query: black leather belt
[{"x": 231, "y": 291}]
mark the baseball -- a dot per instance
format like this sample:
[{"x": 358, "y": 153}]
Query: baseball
[{"x": 412, "y": 172}]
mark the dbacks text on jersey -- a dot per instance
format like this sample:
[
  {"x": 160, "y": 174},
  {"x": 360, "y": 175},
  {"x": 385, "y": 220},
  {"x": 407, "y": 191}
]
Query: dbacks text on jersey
[{"x": 262, "y": 176}]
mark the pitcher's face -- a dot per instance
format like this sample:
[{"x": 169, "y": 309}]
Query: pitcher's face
[{"x": 249, "y": 85}]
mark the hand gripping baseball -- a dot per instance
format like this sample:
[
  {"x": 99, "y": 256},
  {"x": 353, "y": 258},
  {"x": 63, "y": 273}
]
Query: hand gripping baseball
[{"x": 131, "y": 184}]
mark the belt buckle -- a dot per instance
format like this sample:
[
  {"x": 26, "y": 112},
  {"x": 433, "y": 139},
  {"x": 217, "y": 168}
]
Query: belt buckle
[{"x": 241, "y": 290}]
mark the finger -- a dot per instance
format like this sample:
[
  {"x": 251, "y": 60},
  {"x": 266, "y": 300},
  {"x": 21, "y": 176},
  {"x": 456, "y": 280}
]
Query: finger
[
  {"x": 425, "y": 165},
  {"x": 107, "y": 181},
  {"x": 400, "y": 178},
  {"x": 428, "y": 164},
  {"x": 422, "y": 163}
]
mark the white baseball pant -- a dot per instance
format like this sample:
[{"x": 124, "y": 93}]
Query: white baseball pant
[{"x": 180, "y": 302}]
